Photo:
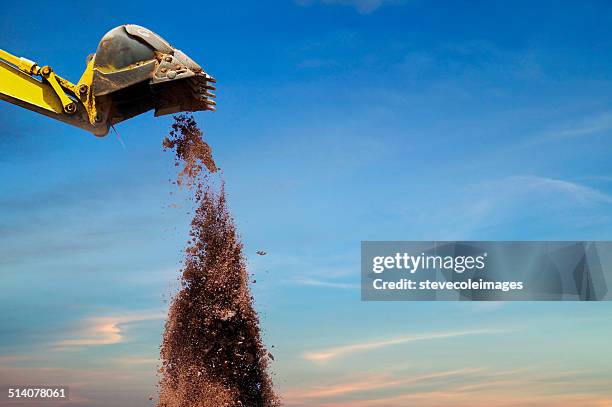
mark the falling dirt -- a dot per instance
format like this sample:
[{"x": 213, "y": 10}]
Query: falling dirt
[
  {"x": 191, "y": 150},
  {"x": 212, "y": 353}
]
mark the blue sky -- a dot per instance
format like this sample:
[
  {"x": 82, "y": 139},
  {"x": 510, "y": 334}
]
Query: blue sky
[{"x": 338, "y": 121}]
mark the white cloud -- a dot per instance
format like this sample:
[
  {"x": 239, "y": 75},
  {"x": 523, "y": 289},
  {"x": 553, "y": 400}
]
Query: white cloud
[
  {"x": 362, "y": 6},
  {"x": 486, "y": 205},
  {"x": 322, "y": 283},
  {"x": 573, "y": 190},
  {"x": 589, "y": 126}
]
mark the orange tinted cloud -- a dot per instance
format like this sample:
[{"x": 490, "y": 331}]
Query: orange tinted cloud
[
  {"x": 375, "y": 382},
  {"x": 332, "y": 353},
  {"x": 461, "y": 388},
  {"x": 105, "y": 330}
]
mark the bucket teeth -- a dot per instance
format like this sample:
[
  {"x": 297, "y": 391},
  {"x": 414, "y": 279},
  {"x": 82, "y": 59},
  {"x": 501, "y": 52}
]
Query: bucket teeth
[
  {"x": 208, "y": 83},
  {"x": 207, "y": 99},
  {"x": 202, "y": 92},
  {"x": 203, "y": 83},
  {"x": 201, "y": 88}
]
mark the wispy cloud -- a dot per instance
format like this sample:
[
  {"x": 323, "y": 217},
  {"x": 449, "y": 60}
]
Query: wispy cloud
[
  {"x": 332, "y": 353},
  {"x": 573, "y": 190},
  {"x": 106, "y": 330},
  {"x": 323, "y": 283},
  {"x": 370, "y": 383},
  {"x": 362, "y": 6},
  {"x": 488, "y": 204},
  {"x": 589, "y": 126},
  {"x": 457, "y": 398},
  {"x": 314, "y": 270},
  {"x": 459, "y": 387}
]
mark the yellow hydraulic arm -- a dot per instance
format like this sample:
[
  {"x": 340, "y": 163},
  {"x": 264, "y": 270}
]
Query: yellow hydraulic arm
[{"x": 50, "y": 95}]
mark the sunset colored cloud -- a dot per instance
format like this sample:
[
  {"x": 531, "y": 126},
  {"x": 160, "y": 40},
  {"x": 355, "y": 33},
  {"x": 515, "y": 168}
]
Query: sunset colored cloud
[
  {"x": 106, "y": 330},
  {"x": 332, "y": 353}
]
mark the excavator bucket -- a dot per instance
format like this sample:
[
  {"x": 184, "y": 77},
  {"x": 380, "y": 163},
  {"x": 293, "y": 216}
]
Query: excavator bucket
[{"x": 135, "y": 70}]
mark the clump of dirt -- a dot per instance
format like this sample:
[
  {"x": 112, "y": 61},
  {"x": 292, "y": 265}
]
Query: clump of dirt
[
  {"x": 186, "y": 139},
  {"x": 212, "y": 353}
]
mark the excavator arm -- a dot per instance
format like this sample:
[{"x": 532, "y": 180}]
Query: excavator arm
[
  {"x": 49, "y": 94},
  {"x": 133, "y": 71}
]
